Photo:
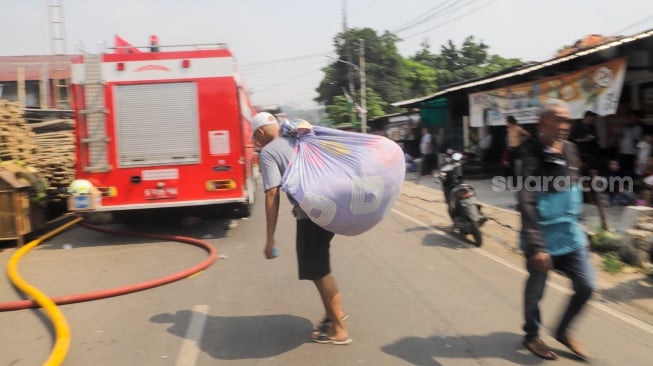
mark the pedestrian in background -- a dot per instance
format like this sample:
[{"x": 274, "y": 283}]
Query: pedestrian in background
[
  {"x": 516, "y": 135},
  {"x": 551, "y": 236},
  {"x": 631, "y": 133},
  {"x": 643, "y": 153},
  {"x": 426, "y": 148},
  {"x": 584, "y": 135},
  {"x": 441, "y": 146},
  {"x": 312, "y": 242}
]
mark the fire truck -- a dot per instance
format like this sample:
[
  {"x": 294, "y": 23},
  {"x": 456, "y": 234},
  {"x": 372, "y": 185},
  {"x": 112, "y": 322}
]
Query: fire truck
[{"x": 161, "y": 127}]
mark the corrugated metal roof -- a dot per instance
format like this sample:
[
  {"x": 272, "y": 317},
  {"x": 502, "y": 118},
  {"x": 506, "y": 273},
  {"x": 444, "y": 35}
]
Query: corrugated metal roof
[
  {"x": 528, "y": 69},
  {"x": 57, "y": 65}
]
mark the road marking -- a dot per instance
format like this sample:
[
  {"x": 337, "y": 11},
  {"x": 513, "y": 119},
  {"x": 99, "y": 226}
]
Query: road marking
[
  {"x": 190, "y": 347},
  {"x": 615, "y": 313}
]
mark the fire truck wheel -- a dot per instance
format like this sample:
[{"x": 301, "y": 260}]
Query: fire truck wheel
[
  {"x": 244, "y": 210},
  {"x": 99, "y": 218}
]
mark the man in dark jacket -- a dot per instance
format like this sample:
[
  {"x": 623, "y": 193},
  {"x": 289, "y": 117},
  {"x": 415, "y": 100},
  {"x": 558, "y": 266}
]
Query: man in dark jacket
[
  {"x": 585, "y": 137},
  {"x": 550, "y": 202}
]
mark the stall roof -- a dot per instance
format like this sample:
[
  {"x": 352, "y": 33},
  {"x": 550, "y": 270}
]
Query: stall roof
[{"x": 526, "y": 69}]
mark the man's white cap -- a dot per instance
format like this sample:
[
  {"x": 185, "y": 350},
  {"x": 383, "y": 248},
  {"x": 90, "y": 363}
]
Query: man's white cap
[{"x": 261, "y": 119}]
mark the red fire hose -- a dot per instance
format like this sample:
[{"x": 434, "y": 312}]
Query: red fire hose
[{"x": 101, "y": 294}]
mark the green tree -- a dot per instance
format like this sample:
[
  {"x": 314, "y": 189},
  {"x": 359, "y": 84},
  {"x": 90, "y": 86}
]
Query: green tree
[
  {"x": 376, "y": 106},
  {"x": 384, "y": 69},
  {"x": 419, "y": 78},
  {"x": 340, "y": 111},
  {"x": 471, "y": 61},
  {"x": 473, "y": 54},
  {"x": 391, "y": 77},
  {"x": 497, "y": 63},
  {"x": 424, "y": 55}
]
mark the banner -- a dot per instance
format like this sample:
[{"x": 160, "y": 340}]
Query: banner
[{"x": 596, "y": 88}]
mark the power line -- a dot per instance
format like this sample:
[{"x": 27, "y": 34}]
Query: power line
[
  {"x": 634, "y": 24},
  {"x": 373, "y": 2},
  {"x": 422, "y": 16},
  {"x": 281, "y": 83},
  {"x": 450, "y": 20},
  {"x": 450, "y": 10},
  {"x": 284, "y": 59},
  {"x": 280, "y": 68},
  {"x": 277, "y": 65}
]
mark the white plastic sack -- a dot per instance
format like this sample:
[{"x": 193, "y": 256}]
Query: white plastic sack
[{"x": 345, "y": 182}]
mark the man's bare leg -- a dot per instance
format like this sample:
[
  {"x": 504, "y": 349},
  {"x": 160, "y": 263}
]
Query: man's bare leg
[{"x": 330, "y": 295}]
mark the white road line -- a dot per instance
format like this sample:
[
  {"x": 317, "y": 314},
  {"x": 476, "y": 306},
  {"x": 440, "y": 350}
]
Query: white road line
[
  {"x": 190, "y": 347},
  {"x": 615, "y": 313}
]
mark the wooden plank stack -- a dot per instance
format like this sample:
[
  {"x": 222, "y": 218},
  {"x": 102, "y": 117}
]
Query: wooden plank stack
[
  {"x": 16, "y": 137},
  {"x": 47, "y": 147}
]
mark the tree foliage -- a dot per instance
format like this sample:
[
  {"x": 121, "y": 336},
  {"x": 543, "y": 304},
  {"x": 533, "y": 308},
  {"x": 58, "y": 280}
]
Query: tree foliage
[
  {"x": 420, "y": 79},
  {"x": 391, "y": 77},
  {"x": 383, "y": 66},
  {"x": 340, "y": 111},
  {"x": 470, "y": 61}
]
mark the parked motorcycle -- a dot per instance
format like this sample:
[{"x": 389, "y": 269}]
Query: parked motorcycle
[{"x": 463, "y": 206}]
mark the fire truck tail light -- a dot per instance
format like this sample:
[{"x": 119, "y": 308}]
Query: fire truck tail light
[
  {"x": 220, "y": 185},
  {"x": 185, "y": 64},
  {"x": 120, "y": 66},
  {"x": 108, "y": 191}
]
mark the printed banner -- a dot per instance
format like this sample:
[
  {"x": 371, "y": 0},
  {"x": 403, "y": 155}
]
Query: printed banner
[{"x": 595, "y": 88}]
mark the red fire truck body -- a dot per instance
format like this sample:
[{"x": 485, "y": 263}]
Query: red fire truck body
[{"x": 161, "y": 129}]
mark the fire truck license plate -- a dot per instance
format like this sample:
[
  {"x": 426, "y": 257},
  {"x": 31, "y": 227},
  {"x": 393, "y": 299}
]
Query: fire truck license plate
[{"x": 160, "y": 193}]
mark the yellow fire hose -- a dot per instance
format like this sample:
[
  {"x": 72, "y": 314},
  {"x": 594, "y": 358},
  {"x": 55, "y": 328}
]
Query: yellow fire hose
[{"x": 62, "y": 330}]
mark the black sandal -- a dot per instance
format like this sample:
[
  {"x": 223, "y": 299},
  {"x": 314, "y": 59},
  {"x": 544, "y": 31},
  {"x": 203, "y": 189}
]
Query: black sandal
[
  {"x": 324, "y": 325},
  {"x": 323, "y": 337}
]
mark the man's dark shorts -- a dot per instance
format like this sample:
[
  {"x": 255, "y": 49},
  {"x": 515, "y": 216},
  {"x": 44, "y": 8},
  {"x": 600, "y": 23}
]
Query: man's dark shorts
[{"x": 313, "y": 243}]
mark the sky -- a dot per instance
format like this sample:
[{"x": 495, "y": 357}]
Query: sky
[{"x": 282, "y": 45}]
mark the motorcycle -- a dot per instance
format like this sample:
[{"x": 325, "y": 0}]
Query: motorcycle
[{"x": 463, "y": 206}]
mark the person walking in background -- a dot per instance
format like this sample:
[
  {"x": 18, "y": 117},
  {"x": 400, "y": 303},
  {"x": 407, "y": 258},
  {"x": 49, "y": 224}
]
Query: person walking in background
[
  {"x": 312, "y": 242},
  {"x": 516, "y": 135},
  {"x": 583, "y": 134},
  {"x": 586, "y": 140},
  {"x": 551, "y": 236},
  {"x": 630, "y": 134},
  {"x": 426, "y": 149},
  {"x": 643, "y": 153},
  {"x": 441, "y": 146}
]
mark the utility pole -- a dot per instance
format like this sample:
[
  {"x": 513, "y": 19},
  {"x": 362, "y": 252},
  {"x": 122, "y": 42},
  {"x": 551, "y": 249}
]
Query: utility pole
[
  {"x": 361, "y": 71},
  {"x": 361, "y": 43},
  {"x": 349, "y": 57}
]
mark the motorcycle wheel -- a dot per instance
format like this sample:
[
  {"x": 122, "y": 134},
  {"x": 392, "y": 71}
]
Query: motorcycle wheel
[{"x": 476, "y": 232}]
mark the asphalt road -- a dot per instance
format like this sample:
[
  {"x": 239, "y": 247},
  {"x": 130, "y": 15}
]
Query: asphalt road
[{"x": 415, "y": 295}]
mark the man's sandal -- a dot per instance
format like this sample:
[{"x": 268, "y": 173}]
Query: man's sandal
[
  {"x": 324, "y": 325},
  {"x": 540, "y": 349},
  {"x": 575, "y": 347},
  {"x": 324, "y": 338}
]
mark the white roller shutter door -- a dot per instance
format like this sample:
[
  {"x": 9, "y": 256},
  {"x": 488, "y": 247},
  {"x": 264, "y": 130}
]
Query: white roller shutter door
[{"x": 157, "y": 124}]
